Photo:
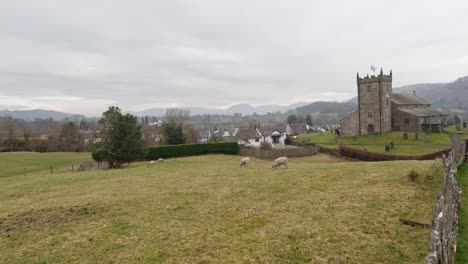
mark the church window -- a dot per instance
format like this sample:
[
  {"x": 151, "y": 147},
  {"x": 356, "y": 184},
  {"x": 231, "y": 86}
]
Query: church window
[
  {"x": 369, "y": 114},
  {"x": 369, "y": 88},
  {"x": 406, "y": 121}
]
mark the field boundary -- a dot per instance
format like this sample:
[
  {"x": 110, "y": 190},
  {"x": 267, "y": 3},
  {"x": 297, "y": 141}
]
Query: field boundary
[
  {"x": 443, "y": 240},
  {"x": 276, "y": 153},
  {"x": 364, "y": 155}
]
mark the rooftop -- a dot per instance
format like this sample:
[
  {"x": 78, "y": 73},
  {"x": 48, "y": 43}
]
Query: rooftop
[
  {"x": 423, "y": 112},
  {"x": 408, "y": 99}
]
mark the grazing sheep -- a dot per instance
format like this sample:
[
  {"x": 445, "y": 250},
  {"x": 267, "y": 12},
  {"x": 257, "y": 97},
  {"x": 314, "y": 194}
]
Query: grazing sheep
[
  {"x": 151, "y": 163},
  {"x": 244, "y": 161},
  {"x": 280, "y": 161},
  {"x": 160, "y": 159}
]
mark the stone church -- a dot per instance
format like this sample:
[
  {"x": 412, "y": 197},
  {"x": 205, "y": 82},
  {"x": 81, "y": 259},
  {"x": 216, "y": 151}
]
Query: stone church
[{"x": 380, "y": 110}]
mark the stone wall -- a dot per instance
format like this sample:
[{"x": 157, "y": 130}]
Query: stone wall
[
  {"x": 93, "y": 165},
  {"x": 398, "y": 120},
  {"x": 349, "y": 126},
  {"x": 443, "y": 241},
  {"x": 459, "y": 148},
  {"x": 276, "y": 153}
]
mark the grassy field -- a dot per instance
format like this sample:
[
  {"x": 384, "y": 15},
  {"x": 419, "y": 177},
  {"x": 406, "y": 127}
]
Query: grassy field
[
  {"x": 21, "y": 163},
  {"x": 462, "y": 243},
  {"x": 438, "y": 141},
  {"x": 453, "y": 129},
  {"x": 208, "y": 210}
]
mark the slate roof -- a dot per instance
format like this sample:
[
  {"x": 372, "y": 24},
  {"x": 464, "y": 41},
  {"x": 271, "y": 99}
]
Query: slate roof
[
  {"x": 423, "y": 112},
  {"x": 268, "y": 130},
  {"x": 204, "y": 133},
  {"x": 247, "y": 133},
  {"x": 408, "y": 99}
]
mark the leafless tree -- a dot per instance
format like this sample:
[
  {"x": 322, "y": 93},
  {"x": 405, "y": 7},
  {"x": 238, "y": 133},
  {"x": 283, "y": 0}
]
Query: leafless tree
[{"x": 9, "y": 124}]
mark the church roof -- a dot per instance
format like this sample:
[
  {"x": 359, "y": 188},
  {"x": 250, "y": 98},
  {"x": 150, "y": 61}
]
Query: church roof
[
  {"x": 423, "y": 112},
  {"x": 408, "y": 99}
]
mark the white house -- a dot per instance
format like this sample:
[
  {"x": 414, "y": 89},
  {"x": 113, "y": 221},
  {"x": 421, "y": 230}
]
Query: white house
[
  {"x": 204, "y": 135},
  {"x": 276, "y": 135},
  {"x": 248, "y": 137}
]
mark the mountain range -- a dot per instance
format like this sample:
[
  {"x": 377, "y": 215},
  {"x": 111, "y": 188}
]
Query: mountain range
[
  {"x": 452, "y": 95},
  {"x": 244, "y": 109},
  {"x": 36, "y": 113}
]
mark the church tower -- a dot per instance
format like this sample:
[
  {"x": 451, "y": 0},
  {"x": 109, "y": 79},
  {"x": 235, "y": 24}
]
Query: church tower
[{"x": 374, "y": 105}]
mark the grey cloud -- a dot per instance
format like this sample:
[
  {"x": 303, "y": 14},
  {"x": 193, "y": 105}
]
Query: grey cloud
[{"x": 217, "y": 53}]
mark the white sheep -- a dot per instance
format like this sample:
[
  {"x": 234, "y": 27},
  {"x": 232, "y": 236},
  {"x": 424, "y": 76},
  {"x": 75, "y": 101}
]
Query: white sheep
[
  {"x": 244, "y": 161},
  {"x": 160, "y": 159},
  {"x": 280, "y": 161},
  {"x": 151, "y": 163}
]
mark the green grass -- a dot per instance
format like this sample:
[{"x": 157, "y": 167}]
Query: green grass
[
  {"x": 453, "y": 129},
  {"x": 21, "y": 163},
  {"x": 401, "y": 149},
  {"x": 462, "y": 242},
  {"x": 376, "y": 143},
  {"x": 206, "y": 209}
]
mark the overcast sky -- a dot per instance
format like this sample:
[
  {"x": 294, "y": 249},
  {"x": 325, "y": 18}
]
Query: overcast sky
[{"x": 82, "y": 56}]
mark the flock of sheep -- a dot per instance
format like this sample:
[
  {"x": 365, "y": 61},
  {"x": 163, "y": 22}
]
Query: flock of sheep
[
  {"x": 246, "y": 160},
  {"x": 276, "y": 164}
]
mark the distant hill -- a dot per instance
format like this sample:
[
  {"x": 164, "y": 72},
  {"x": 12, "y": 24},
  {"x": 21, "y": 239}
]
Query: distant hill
[
  {"x": 35, "y": 113},
  {"x": 442, "y": 95},
  {"x": 453, "y": 95},
  {"x": 327, "y": 107},
  {"x": 244, "y": 109}
]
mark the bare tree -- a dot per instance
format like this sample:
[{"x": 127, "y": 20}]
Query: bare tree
[
  {"x": 177, "y": 116},
  {"x": 9, "y": 124},
  {"x": 27, "y": 137},
  {"x": 190, "y": 132}
]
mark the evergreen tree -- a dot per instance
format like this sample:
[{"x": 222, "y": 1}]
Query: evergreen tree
[
  {"x": 121, "y": 138},
  {"x": 309, "y": 120},
  {"x": 457, "y": 119},
  {"x": 292, "y": 119}
]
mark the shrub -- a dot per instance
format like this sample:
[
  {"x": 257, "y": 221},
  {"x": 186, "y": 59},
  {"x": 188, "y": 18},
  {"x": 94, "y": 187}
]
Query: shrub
[
  {"x": 289, "y": 140},
  {"x": 173, "y": 151},
  {"x": 265, "y": 145},
  {"x": 413, "y": 176}
]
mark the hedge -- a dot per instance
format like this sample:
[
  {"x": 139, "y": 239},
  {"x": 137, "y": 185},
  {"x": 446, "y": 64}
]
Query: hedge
[
  {"x": 173, "y": 151},
  {"x": 373, "y": 156}
]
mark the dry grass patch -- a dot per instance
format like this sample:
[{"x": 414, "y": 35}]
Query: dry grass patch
[{"x": 208, "y": 210}]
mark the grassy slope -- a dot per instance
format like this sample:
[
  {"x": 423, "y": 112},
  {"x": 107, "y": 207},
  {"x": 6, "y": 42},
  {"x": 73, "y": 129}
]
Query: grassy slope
[
  {"x": 206, "y": 209},
  {"x": 402, "y": 147},
  {"x": 462, "y": 243},
  {"x": 20, "y": 163},
  {"x": 453, "y": 129}
]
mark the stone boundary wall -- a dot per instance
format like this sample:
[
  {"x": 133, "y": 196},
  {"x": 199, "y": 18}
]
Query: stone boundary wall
[
  {"x": 93, "y": 165},
  {"x": 443, "y": 241},
  {"x": 374, "y": 156},
  {"x": 329, "y": 151},
  {"x": 459, "y": 147},
  {"x": 276, "y": 153}
]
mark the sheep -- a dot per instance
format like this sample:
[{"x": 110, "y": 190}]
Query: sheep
[
  {"x": 151, "y": 163},
  {"x": 160, "y": 159},
  {"x": 280, "y": 161},
  {"x": 244, "y": 161}
]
